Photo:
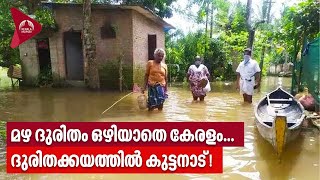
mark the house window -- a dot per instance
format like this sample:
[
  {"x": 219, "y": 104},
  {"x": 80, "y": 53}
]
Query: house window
[
  {"x": 108, "y": 32},
  {"x": 152, "y": 45}
]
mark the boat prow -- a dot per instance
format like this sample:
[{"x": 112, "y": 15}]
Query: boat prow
[{"x": 279, "y": 118}]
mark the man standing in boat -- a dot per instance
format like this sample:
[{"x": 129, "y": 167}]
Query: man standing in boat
[{"x": 248, "y": 76}]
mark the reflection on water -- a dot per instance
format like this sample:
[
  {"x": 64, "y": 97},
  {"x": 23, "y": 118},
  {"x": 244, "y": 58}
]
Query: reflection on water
[{"x": 256, "y": 160}]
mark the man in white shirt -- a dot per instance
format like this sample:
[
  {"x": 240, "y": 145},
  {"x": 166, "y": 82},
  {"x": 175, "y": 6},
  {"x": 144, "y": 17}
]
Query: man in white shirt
[{"x": 248, "y": 76}]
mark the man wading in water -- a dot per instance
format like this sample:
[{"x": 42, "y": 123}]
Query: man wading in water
[{"x": 248, "y": 76}]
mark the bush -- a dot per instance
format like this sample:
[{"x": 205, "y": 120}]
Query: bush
[{"x": 109, "y": 76}]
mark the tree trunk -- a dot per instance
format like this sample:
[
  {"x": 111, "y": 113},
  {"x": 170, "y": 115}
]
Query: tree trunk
[
  {"x": 207, "y": 16},
  {"x": 251, "y": 39},
  {"x": 89, "y": 49},
  {"x": 269, "y": 11},
  {"x": 211, "y": 23},
  {"x": 294, "y": 79},
  {"x": 303, "y": 44},
  {"x": 266, "y": 14},
  {"x": 262, "y": 57},
  {"x": 206, "y": 32},
  {"x": 249, "y": 26},
  {"x": 248, "y": 14}
]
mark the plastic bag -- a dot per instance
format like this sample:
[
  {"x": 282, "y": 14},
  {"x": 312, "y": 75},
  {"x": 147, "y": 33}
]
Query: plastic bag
[
  {"x": 207, "y": 88},
  {"x": 308, "y": 102},
  {"x": 136, "y": 88},
  {"x": 142, "y": 101}
]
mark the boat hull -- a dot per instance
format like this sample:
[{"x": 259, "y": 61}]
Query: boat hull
[
  {"x": 268, "y": 133},
  {"x": 278, "y": 118}
]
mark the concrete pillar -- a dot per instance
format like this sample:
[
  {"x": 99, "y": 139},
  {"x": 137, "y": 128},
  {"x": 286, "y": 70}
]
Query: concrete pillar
[
  {"x": 57, "y": 59},
  {"x": 54, "y": 59},
  {"x": 29, "y": 62}
]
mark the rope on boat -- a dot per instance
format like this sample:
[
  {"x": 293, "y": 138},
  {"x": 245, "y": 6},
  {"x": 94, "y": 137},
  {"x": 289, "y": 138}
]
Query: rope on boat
[{"x": 116, "y": 102}]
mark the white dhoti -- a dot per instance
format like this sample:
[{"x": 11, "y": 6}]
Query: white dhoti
[
  {"x": 247, "y": 76},
  {"x": 247, "y": 87}
]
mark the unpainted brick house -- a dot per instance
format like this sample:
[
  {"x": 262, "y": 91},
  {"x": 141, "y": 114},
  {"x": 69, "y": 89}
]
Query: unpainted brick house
[{"x": 126, "y": 33}]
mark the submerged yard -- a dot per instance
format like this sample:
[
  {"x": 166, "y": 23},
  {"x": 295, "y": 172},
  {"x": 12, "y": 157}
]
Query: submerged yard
[
  {"x": 256, "y": 160},
  {"x": 218, "y": 32}
]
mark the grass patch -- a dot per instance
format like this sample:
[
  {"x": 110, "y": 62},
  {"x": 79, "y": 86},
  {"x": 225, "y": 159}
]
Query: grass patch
[
  {"x": 3, "y": 135},
  {"x": 4, "y": 79},
  {"x": 3, "y": 138}
]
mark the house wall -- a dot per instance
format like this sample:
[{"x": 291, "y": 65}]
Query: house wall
[
  {"x": 29, "y": 62},
  {"x": 130, "y": 45},
  {"x": 66, "y": 19},
  {"x": 108, "y": 51},
  {"x": 142, "y": 26},
  {"x": 112, "y": 50}
]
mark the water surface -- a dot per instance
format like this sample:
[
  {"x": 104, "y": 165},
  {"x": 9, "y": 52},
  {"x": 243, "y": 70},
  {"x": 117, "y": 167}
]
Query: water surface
[{"x": 256, "y": 160}]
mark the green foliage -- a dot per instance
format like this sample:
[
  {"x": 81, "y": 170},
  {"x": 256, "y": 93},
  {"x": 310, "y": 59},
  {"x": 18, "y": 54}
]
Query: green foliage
[
  {"x": 109, "y": 75},
  {"x": 298, "y": 21},
  {"x": 276, "y": 42},
  {"x": 46, "y": 19},
  {"x": 3, "y": 135},
  {"x": 139, "y": 72},
  {"x": 186, "y": 48},
  {"x": 235, "y": 43},
  {"x": 222, "y": 7},
  {"x": 45, "y": 77},
  {"x": 8, "y": 56},
  {"x": 160, "y": 7},
  {"x": 216, "y": 59},
  {"x": 4, "y": 79},
  {"x": 237, "y": 21},
  {"x": 219, "y": 53}
]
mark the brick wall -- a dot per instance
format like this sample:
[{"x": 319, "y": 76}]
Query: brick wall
[
  {"x": 130, "y": 44},
  {"x": 108, "y": 50},
  {"x": 142, "y": 26},
  {"x": 29, "y": 62},
  {"x": 66, "y": 18},
  {"x": 111, "y": 49}
]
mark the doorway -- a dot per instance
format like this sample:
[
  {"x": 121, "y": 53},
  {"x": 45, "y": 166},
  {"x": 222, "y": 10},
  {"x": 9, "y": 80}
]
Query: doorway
[
  {"x": 152, "y": 45},
  {"x": 73, "y": 56},
  {"x": 45, "y": 74}
]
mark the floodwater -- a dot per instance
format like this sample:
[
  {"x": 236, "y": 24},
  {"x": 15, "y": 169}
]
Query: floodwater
[{"x": 256, "y": 160}]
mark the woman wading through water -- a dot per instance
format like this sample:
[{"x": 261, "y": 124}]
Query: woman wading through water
[
  {"x": 198, "y": 76},
  {"x": 156, "y": 80}
]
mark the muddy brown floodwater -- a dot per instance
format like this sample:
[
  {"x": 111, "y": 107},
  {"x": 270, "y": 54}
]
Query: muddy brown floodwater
[{"x": 256, "y": 160}]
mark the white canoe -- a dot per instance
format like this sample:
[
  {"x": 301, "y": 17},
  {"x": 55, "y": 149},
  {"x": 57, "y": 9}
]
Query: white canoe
[{"x": 279, "y": 118}]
